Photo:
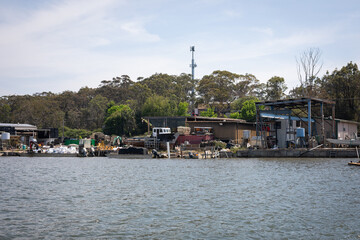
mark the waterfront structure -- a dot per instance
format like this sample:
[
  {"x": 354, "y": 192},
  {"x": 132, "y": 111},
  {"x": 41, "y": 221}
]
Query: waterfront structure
[
  {"x": 27, "y": 131},
  {"x": 310, "y": 112},
  {"x": 344, "y": 129},
  {"x": 224, "y": 129}
]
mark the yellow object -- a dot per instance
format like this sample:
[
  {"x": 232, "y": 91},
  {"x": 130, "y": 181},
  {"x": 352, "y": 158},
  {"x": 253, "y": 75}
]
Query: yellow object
[{"x": 101, "y": 146}]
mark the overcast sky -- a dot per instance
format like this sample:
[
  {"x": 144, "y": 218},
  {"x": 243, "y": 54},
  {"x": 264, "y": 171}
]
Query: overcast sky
[{"x": 58, "y": 45}]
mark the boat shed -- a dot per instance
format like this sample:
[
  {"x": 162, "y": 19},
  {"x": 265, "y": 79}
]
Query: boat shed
[
  {"x": 27, "y": 131},
  {"x": 224, "y": 129},
  {"x": 307, "y": 113},
  {"x": 18, "y": 129},
  {"x": 344, "y": 129}
]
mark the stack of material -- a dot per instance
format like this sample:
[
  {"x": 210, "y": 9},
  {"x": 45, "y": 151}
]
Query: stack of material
[{"x": 184, "y": 130}]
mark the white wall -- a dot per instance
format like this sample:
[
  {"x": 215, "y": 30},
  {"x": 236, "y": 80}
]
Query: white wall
[{"x": 346, "y": 130}]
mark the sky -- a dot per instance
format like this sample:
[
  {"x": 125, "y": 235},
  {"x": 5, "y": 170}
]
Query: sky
[{"x": 59, "y": 45}]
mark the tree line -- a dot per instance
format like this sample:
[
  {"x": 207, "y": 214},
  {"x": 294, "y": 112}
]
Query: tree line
[{"x": 118, "y": 106}]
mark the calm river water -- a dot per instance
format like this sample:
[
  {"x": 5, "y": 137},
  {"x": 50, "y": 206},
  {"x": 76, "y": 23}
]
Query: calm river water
[{"x": 100, "y": 198}]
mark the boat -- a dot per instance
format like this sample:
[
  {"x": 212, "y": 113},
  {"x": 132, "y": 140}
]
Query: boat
[
  {"x": 354, "y": 163},
  {"x": 130, "y": 152},
  {"x": 349, "y": 142}
]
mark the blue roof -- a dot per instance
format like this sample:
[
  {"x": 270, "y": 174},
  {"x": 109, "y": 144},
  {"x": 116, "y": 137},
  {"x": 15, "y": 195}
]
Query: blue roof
[{"x": 270, "y": 115}]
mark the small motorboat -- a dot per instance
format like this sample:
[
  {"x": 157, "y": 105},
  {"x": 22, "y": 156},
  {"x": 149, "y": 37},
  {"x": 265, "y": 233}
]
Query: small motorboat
[
  {"x": 130, "y": 152},
  {"x": 354, "y": 163}
]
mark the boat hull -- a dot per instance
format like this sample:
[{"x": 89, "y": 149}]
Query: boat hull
[
  {"x": 354, "y": 163},
  {"x": 129, "y": 156}
]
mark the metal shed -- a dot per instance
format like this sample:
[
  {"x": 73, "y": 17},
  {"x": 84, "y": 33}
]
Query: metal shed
[{"x": 310, "y": 109}]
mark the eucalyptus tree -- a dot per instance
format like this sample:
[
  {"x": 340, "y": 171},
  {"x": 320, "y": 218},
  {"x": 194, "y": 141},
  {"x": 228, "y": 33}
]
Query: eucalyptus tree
[
  {"x": 96, "y": 111},
  {"x": 217, "y": 87},
  {"x": 120, "y": 120},
  {"x": 5, "y": 111},
  {"x": 343, "y": 86},
  {"x": 247, "y": 85},
  {"x": 156, "y": 106},
  {"x": 275, "y": 88},
  {"x": 116, "y": 89},
  {"x": 160, "y": 84}
]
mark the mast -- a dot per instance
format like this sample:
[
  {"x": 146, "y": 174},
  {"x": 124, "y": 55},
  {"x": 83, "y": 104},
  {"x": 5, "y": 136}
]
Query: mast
[{"x": 193, "y": 64}]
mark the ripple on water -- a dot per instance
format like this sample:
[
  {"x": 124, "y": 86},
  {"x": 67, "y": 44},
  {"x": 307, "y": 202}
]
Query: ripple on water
[{"x": 178, "y": 199}]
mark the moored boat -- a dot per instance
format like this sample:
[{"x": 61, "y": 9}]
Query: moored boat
[
  {"x": 354, "y": 163},
  {"x": 130, "y": 152}
]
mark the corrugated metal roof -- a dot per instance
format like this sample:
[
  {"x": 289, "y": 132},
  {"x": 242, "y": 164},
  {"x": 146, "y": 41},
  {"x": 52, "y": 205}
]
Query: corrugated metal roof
[
  {"x": 19, "y": 126},
  {"x": 274, "y": 116}
]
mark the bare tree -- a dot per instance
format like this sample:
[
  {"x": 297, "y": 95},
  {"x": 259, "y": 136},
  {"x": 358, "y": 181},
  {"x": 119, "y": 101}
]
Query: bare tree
[{"x": 308, "y": 67}]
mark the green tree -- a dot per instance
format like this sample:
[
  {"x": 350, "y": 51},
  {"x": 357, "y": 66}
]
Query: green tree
[
  {"x": 120, "y": 120},
  {"x": 156, "y": 106},
  {"x": 275, "y": 88},
  {"x": 235, "y": 115},
  {"x": 75, "y": 133},
  {"x": 259, "y": 91},
  {"x": 210, "y": 112},
  {"x": 160, "y": 84},
  {"x": 238, "y": 103},
  {"x": 139, "y": 93},
  {"x": 117, "y": 89},
  {"x": 72, "y": 118},
  {"x": 248, "y": 111},
  {"x": 183, "y": 109},
  {"x": 344, "y": 86},
  {"x": 184, "y": 88},
  {"x": 246, "y": 85},
  {"x": 96, "y": 109},
  {"x": 42, "y": 111},
  {"x": 217, "y": 87},
  {"x": 5, "y": 112}
]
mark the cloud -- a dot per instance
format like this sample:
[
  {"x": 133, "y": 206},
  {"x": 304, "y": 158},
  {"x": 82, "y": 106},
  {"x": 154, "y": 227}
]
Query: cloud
[
  {"x": 79, "y": 43},
  {"x": 267, "y": 31},
  {"x": 292, "y": 42},
  {"x": 232, "y": 13},
  {"x": 136, "y": 29},
  {"x": 63, "y": 39}
]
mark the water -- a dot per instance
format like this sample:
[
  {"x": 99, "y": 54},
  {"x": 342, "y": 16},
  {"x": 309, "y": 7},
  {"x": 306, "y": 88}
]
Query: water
[{"x": 100, "y": 198}]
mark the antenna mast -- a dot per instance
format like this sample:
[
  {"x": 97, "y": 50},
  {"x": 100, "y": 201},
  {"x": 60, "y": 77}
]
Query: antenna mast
[{"x": 193, "y": 64}]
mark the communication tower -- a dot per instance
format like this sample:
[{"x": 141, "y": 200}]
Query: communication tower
[{"x": 193, "y": 64}]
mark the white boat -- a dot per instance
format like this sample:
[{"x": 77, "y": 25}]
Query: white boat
[{"x": 350, "y": 142}]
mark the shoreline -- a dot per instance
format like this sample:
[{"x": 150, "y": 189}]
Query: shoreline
[{"x": 249, "y": 153}]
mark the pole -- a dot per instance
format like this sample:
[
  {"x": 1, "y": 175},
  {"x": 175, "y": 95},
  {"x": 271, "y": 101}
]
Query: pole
[
  {"x": 193, "y": 64},
  {"x": 309, "y": 120},
  {"x": 63, "y": 127},
  {"x": 322, "y": 124},
  {"x": 333, "y": 121},
  {"x": 168, "y": 149}
]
